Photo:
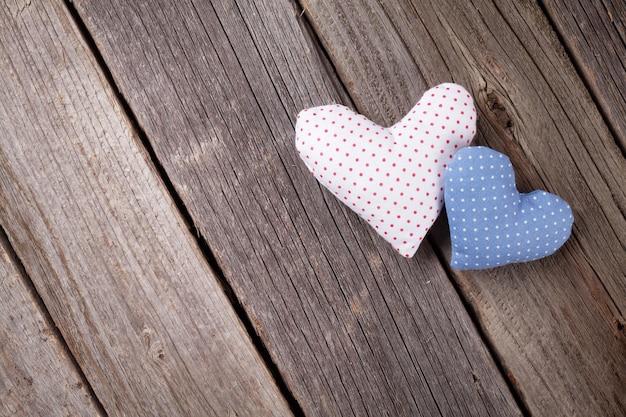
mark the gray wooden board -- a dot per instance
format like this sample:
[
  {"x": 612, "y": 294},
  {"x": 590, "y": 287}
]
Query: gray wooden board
[
  {"x": 557, "y": 324},
  {"x": 594, "y": 33},
  {"x": 37, "y": 375},
  {"x": 353, "y": 328},
  {"x": 106, "y": 248}
]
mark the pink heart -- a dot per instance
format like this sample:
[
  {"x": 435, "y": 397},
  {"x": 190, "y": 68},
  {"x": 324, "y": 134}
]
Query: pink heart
[{"x": 392, "y": 177}]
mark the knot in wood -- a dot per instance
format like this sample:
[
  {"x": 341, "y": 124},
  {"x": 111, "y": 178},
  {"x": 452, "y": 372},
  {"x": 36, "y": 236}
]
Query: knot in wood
[
  {"x": 155, "y": 348},
  {"x": 157, "y": 351},
  {"x": 499, "y": 112}
]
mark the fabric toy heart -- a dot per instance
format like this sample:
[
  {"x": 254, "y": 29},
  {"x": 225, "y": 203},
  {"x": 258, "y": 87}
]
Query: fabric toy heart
[
  {"x": 491, "y": 223},
  {"x": 392, "y": 177}
]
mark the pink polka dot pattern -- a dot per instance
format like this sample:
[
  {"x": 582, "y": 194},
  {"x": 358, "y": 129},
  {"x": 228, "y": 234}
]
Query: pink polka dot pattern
[{"x": 392, "y": 177}]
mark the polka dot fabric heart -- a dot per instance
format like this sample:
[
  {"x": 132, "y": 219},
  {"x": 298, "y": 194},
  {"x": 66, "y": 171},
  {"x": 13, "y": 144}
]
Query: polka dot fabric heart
[
  {"x": 392, "y": 177},
  {"x": 491, "y": 223}
]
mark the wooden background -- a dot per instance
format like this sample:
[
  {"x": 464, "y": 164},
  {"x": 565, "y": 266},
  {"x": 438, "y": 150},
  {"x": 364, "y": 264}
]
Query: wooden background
[{"x": 165, "y": 252}]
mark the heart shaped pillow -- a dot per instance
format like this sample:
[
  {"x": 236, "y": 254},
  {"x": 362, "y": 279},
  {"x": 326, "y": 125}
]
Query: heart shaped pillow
[
  {"x": 491, "y": 223},
  {"x": 391, "y": 177}
]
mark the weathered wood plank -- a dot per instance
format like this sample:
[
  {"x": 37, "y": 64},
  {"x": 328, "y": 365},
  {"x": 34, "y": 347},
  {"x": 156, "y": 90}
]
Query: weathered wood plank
[
  {"x": 556, "y": 324},
  {"x": 37, "y": 375},
  {"x": 594, "y": 33},
  {"x": 104, "y": 244},
  {"x": 354, "y": 329}
]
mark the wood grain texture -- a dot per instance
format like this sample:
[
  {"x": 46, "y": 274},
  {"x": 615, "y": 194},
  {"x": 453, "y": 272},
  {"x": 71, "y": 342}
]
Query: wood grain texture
[
  {"x": 37, "y": 375},
  {"x": 594, "y": 33},
  {"x": 106, "y": 248},
  {"x": 557, "y": 324},
  {"x": 354, "y": 329}
]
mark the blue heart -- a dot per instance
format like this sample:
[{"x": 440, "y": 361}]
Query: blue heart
[{"x": 493, "y": 224}]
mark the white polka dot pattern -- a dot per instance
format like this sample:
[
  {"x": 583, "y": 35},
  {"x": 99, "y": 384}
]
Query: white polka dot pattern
[
  {"x": 491, "y": 223},
  {"x": 392, "y": 177}
]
